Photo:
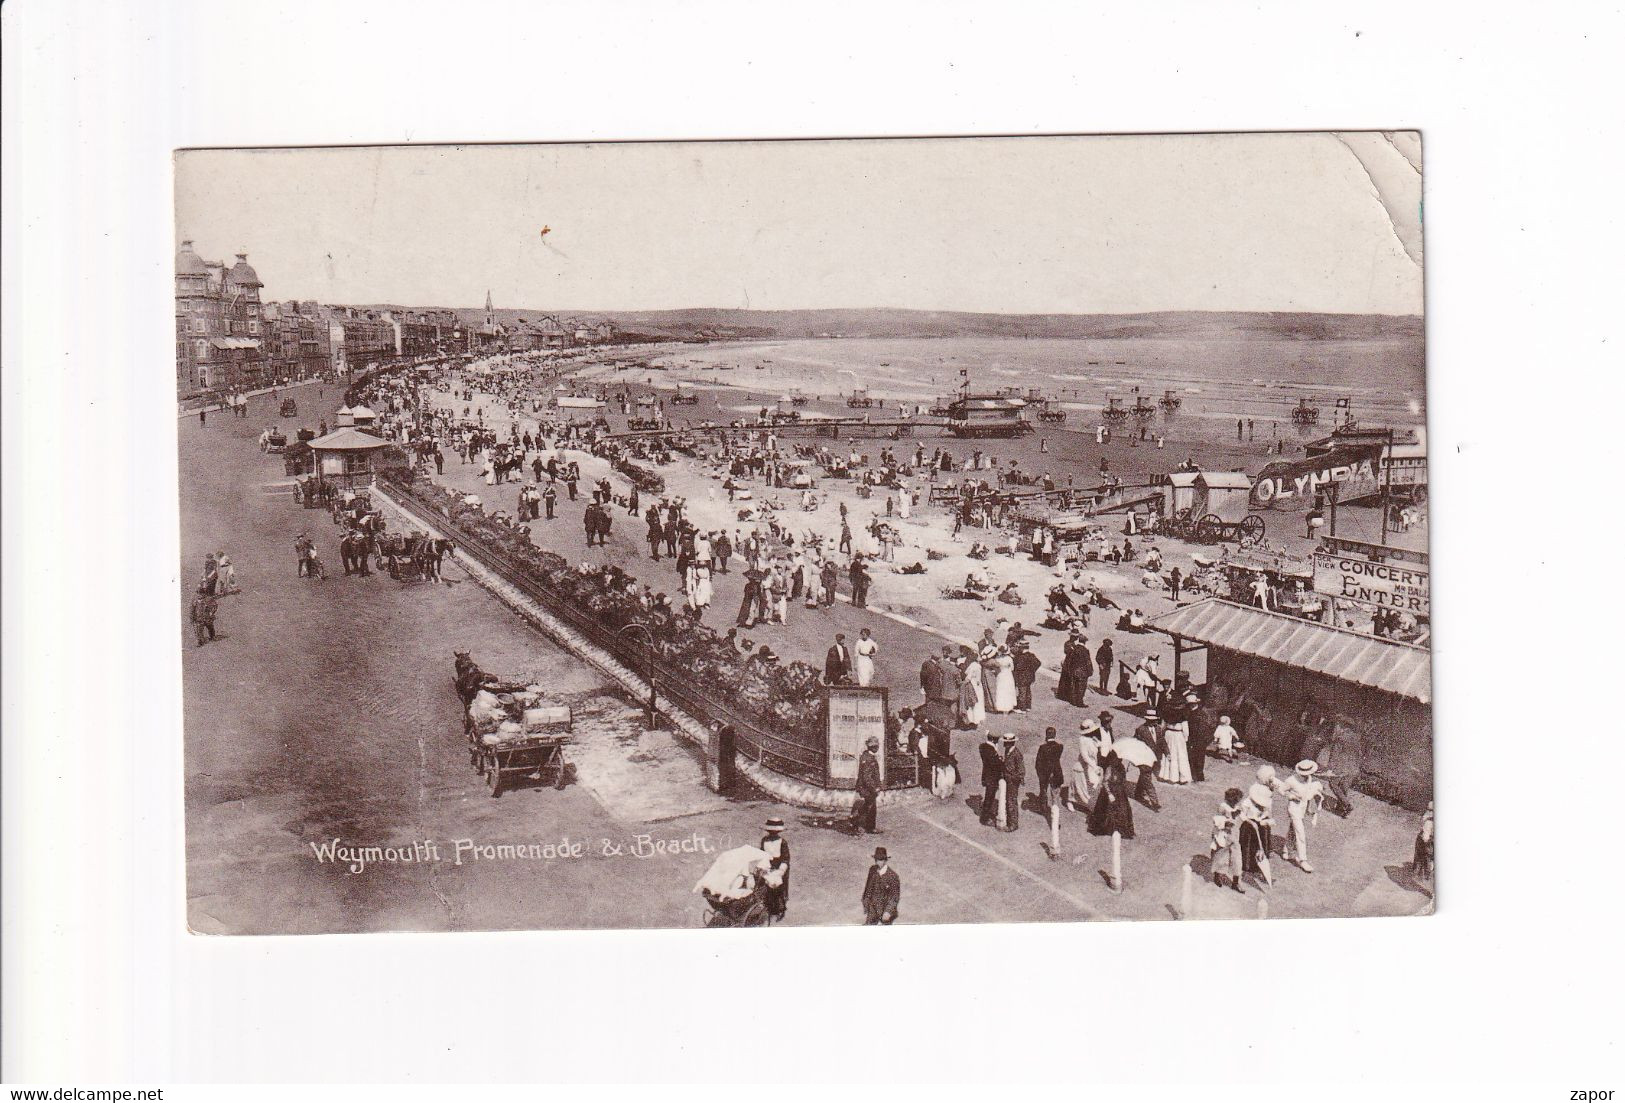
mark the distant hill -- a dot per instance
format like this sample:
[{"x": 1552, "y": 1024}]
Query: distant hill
[{"x": 716, "y": 323}]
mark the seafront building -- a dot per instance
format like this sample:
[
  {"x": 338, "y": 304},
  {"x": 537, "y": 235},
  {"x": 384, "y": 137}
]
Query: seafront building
[
  {"x": 227, "y": 339},
  {"x": 219, "y": 326}
]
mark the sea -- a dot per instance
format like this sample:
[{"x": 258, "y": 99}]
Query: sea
[{"x": 1378, "y": 381}]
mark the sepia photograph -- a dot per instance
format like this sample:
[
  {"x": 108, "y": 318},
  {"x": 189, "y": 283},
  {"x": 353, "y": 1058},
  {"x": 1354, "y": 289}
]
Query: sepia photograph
[{"x": 838, "y": 532}]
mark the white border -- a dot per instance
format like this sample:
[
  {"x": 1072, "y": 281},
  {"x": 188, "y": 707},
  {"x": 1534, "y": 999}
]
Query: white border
[{"x": 1507, "y": 984}]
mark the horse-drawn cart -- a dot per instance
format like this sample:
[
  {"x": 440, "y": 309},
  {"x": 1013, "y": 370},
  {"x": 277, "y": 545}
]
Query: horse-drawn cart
[
  {"x": 537, "y": 750},
  {"x": 511, "y": 733}
]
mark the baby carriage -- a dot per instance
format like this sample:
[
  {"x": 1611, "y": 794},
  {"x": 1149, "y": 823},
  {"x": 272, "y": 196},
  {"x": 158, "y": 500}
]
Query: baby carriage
[{"x": 734, "y": 888}]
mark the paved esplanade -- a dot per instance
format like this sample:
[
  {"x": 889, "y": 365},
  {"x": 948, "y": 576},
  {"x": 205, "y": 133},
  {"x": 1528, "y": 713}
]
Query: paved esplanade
[{"x": 326, "y": 711}]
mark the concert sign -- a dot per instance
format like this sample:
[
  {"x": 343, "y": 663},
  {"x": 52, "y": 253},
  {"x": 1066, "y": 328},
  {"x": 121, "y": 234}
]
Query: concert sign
[{"x": 851, "y": 715}]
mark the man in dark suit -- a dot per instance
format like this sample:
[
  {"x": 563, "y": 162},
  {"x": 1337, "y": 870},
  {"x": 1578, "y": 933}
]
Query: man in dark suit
[
  {"x": 930, "y": 679},
  {"x": 863, "y": 812},
  {"x": 838, "y": 663},
  {"x": 942, "y": 706},
  {"x": 992, "y": 773},
  {"x": 1015, "y": 774},
  {"x": 859, "y": 577},
  {"x": 1051, "y": 774},
  {"x": 882, "y": 890},
  {"x": 1026, "y": 673}
]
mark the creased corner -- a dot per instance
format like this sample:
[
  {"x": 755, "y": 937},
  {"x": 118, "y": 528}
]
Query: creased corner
[{"x": 1392, "y": 164}]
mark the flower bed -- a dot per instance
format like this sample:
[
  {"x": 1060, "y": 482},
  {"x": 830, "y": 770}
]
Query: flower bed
[
  {"x": 647, "y": 481},
  {"x": 785, "y": 699}
]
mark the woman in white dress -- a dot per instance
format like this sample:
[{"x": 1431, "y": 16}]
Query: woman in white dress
[
  {"x": 1176, "y": 764},
  {"x": 972, "y": 702},
  {"x": 864, "y": 662},
  {"x": 903, "y": 503},
  {"x": 1086, "y": 772},
  {"x": 699, "y": 586},
  {"x": 1004, "y": 682}
]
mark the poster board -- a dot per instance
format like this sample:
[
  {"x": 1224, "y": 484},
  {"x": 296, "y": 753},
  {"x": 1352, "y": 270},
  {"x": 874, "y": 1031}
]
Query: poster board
[
  {"x": 851, "y": 715},
  {"x": 1402, "y": 586}
]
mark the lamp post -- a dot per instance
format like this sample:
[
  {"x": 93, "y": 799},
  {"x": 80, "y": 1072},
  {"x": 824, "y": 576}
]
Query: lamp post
[{"x": 649, "y": 640}]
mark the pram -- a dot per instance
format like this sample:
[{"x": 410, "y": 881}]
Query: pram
[{"x": 733, "y": 888}]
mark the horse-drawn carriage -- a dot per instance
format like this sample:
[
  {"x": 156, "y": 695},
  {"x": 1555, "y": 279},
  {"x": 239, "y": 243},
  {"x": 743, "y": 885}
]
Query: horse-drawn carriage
[
  {"x": 290, "y": 408},
  {"x": 637, "y": 424},
  {"x": 409, "y": 557},
  {"x": 1052, "y": 415},
  {"x": 685, "y": 396},
  {"x": 276, "y": 443},
  {"x": 1143, "y": 408},
  {"x": 1114, "y": 411},
  {"x": 859, "y": 398}
]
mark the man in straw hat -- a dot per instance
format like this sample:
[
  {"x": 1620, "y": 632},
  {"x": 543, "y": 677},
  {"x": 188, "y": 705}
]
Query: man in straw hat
[
  {"x": 881, "y": 891},
  {"x": 777, "y": 848},
  {"x": 1303, "y": 794},
  {"x": 1015, "y": 774}
]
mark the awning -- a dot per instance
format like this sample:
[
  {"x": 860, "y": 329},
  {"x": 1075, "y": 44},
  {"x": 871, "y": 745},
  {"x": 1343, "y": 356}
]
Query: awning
[
  {"x": 347, "y": 439},
  {"x": 234, "y": 343},
  {"x": 1349, "y": 656}
]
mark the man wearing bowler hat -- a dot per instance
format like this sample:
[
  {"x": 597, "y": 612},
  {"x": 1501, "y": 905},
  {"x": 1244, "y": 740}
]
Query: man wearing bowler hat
[{"x": 881, "y": 892}]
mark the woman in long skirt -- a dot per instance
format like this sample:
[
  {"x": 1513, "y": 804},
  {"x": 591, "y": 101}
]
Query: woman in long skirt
[
  {"x": 700, "y": 587},
  {"x": 972, "y": 705},
  {"x": 863, "y": 665},
  {"x": 1112, "y": 811},
  {"x": 1176, "y": 760},
  {"x": 1004, "y": 682},
  {"x": 1075, "y": 670}
]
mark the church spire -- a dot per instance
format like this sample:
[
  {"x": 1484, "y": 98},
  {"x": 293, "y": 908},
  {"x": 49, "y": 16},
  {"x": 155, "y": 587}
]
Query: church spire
[{"x": 490, "y": 313}]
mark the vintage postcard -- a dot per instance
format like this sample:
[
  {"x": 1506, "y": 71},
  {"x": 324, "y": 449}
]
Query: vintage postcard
[{"x": 808, "y": 532}]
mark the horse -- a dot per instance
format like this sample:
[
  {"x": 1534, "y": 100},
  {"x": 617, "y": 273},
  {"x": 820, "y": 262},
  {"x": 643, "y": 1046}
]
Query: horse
[
  {"x": 427, "y": 561},
  {"x": 354, "y": 548}
]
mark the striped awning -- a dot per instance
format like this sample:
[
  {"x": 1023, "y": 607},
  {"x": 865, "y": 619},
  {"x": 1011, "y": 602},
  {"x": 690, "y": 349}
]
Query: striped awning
[{"x": 1349, "y": 656}]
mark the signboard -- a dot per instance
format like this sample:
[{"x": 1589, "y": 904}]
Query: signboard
[
  {"x": 851, "y": 715},
  {"x": 1401, "y": 586},
  {"x": 1293, "y": 484}
]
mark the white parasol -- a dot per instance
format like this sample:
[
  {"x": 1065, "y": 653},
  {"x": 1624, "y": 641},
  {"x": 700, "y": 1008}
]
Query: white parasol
[
  {"x": 724, "y": 876},
  {"x": 1134, "y": 752}
]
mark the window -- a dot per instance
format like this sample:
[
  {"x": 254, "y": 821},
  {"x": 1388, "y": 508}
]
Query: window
[
  {"x": 203, "y": 350},
  {"x": 253, "y": 327},
  {"x": 197, "y": 325}
]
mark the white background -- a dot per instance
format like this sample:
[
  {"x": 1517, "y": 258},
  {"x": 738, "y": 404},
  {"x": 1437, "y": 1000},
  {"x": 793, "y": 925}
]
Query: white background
[{"x": 1515, "y": 980}]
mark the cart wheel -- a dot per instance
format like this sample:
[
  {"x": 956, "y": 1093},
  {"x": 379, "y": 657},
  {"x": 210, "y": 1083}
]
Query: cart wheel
[
  {"x": 1210, "y": 529},
  {"x": 1252, "y": 529}
]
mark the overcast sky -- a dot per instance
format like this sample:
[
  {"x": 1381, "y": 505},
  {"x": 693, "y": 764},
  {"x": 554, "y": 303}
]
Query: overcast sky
[{"x": 1046, "y": 225}]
